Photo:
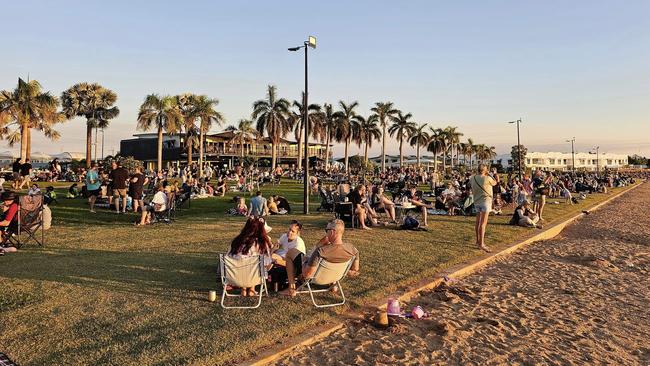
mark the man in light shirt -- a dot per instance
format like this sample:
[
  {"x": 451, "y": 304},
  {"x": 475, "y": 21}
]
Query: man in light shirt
[
  {"x": 292, "y": 249},
  {"x": 157, "y": 204}
]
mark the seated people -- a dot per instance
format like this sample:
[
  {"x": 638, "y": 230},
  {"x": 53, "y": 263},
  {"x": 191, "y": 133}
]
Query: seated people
[
  {"x": 221, "y": 188},
  {"x": 49, "y": 196},
  {"x": 282, "y": 203},
  {"x": 565, "y": 193},
  {"x": 330, "y": 248},
  {"x": 525, "y": 216},
  {"x": 359, "y": 200},
  {"x": 73, "y": 191},
  {"x": 252, "y": 241},
  {"x": 382, "y": 204},
  {"x": 9, "y": 212},
  {"x": 258, "y": 205},
  {"x": 241, "y": 209},
  {"x": 34, "y": 190},
  {"x": 418, "y": 202},
  {"x": 291, "y": 248},
  {"x": 158, "y": 204}
]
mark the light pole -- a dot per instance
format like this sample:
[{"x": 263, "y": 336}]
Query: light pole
[
  {"x": 597, "y": 160},
  {"x": 102, "y": 143},
  {"x": 310, "y": 42},
  {"x": 573, "y": 154},
  {"x": 518, "y": 148}
]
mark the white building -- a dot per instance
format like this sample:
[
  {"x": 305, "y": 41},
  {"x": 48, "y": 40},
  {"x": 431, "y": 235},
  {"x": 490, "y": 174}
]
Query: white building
[{"x": 563, "y": 161}]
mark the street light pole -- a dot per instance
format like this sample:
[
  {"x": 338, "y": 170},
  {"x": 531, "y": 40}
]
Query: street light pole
[
  {"x": 573, "y": 155},
  {"x": 518, "y": 148},
  {"x": 310, "y": 42},
  {"x": 102, "y": 144}
]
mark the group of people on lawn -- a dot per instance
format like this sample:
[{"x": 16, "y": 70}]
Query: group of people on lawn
[{"x": 287, "y": 258}]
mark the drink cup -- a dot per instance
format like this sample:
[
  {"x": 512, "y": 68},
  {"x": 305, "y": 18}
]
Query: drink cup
[{"x": 212, "y": 296}]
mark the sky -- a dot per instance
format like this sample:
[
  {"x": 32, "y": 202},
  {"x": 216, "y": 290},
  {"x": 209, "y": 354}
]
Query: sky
[{"x": 568, "y": 69}]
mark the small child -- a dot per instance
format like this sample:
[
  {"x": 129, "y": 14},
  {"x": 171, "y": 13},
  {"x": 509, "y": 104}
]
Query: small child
[
  {"x": 34, "y": 190},
  {"x": 50, "y": 195},
  {"x": 241, "y": 207}
]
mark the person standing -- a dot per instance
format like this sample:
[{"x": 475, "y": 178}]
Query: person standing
[
  {"x": 25, "y": 174},
  {"x": 93, "y": 185},
  {"x": 15, "y": 168},
  {"x": 119, "y": 175},
  {"x": 482, "y": 184},
  {"x": 136, "y": 188},
  {"x": 259, "y": 206}
]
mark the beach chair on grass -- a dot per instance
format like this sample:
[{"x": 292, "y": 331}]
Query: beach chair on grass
[
  {"x": 29, "y": 221},
  {"x": 327, "y": 274},
  {"x": 242, "y": 273}
]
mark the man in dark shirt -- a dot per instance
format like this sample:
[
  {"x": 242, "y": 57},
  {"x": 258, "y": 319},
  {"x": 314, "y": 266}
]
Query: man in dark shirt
[
  {"x": 136, "y": 188},
  {"x": 15, "y": 168},
  {"x": 119, "y": 175},
  {"x": 25, "y": 173}
]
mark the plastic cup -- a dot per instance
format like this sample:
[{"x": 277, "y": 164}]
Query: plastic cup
[
  {"x": 393, "y": 307},
  {"x": 417, "y": 312},
  {"x": 212, "y": 296}
]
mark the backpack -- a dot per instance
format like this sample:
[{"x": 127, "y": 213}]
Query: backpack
[{"x": 410, "y": 223}]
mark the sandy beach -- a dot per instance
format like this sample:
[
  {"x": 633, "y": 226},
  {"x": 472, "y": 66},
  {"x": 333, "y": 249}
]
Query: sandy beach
[{"x": 579, "y": 299}]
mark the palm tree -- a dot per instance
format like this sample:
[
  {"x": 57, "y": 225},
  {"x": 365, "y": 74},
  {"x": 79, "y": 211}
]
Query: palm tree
[
  {"x": 344, "y": 131},
  {"x": 244, "y": 132},
  {"x": 367, "y": 130},
  {"x": 313, "y": 118},
  {"x": 418, "y": 138},
  {"x": 271, "y": 116},
  {"x": 470, "y": 150},
  {"x": 161, "y": 113},
  {"x": 453, "y": 138},
  {"x": 484, "y": 152},
  {"x": 437, "y": 145},
  {"x": 95, "y": 103},
  {"x": 384, "y": 112},
  {"x": 187, "y": 105},
  {"x": 27, "y": 108},
  {"x": 204, "y": 110},
  {"x": 401, "y": 128},
  {"x": 328, "y": 125}
]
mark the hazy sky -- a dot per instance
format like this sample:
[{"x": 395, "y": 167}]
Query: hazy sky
[{"x": 568, "y": 68}]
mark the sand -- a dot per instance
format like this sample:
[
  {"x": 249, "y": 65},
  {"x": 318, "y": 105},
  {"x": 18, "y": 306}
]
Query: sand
[{"x": 581, "y": 298}]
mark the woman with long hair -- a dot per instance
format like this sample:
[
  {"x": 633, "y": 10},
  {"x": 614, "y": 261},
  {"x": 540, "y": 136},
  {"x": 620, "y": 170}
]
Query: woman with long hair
[{"x": 253, "y": 240}]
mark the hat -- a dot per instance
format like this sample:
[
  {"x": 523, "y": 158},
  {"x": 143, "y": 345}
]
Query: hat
[{"x": 8, "y": 196}]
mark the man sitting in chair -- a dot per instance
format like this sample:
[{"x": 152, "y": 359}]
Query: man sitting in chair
[
  {"x": 330, "y": 248},
  {"x": 157, "y": 204}
]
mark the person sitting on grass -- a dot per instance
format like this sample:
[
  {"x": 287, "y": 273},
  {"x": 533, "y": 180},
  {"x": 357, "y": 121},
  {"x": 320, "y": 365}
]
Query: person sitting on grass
[
  {"x": 50, "y": 195},
  {"x": 34, "y": 190},
  {"x": 73, "y": 191},
  {"x": 240, "y": 208},
  {"x": 9, "y": 211},
  {"x": 221, "y": 188},
  {"x": 282, "y": 203},
  {"x": 158, "y": 204},
  {"x": 566, "y": 194},
  {"x": 359, "y": 200},
  {"x": 291, "y": 248},
  {"x": 331, "y": 248},
  {"x": 419, "y": 203},
  {"x": 525, "y": 216},
  {"x": 253, "y": 240}
]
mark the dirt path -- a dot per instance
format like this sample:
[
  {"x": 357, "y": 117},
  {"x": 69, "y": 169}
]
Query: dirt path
[{"x": 582, "y": 298}]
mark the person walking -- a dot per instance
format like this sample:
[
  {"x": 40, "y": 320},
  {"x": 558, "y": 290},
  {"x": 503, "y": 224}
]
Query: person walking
[
  {"x": 482, "y": 184},
  {"x": 93, "y": 185}
]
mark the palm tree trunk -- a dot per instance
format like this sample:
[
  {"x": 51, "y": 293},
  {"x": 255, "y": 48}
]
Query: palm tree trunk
[
  {"x": 444, "y": 160},
  {"x": 89, "y": 137},
  {"x": 383, "y": 148},
  {"x": 435, "y": 160},
  {"x": 28, "y": 153},
  {"x": 273, "y": 155},
  {"x": 327, "y": 149},
  {"x": 201, "y": 153},
  {"x": 299, "y": 164},
  {"x": 160, "y": 150},
  {"x": 418, "y": 152},
  {"x": 23, "y": 142},
  {"x": 365, "y": 155},
  {"x": 347, "y": 143},
  {"x": 401, "y": 156},
  {"x": 241, "y": 143}
]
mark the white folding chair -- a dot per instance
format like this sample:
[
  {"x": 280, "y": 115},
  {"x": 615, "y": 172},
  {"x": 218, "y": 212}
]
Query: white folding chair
[
  {"x": 326, "y": 274},
  {"x": 246, "y": 272}
]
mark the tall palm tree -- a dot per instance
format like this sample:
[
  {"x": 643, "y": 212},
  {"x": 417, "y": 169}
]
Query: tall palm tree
[
  {"x": 161, "y": 113},
  {"x": 418, "y": 138},
  {"x": 243, "y": 133},
  {"x": 453, "y": 138},
  {"x": 328, "y": 125},
  {"x": 204, "y": 110},
  {"x": 313, "y": 119},
  {"x": 402, "y": 129},
  {"x": 436, "y": 145},
  {"x": 271, "y": 116},
  {"x": 470, "y": 150},
  {"x": 384, "y": 112},
  {"x": 484, "y": 152},
  {"x": 367, "y": 130},
  {"x": 93, "y": 102},
  {"x": 187, "y": 105},
  {"x": 27, "y": 107},
  {"x": 344, "y": 130}
]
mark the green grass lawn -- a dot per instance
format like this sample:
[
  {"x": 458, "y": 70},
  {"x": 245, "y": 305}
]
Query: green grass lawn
[{"x": 102, "y": 291}]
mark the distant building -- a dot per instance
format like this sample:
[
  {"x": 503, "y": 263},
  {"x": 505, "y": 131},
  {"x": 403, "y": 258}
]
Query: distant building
[
  {"x": 219, "y": 149},
  {"x": 563, "y": 161},
  {"x": 393, "y": 160}
]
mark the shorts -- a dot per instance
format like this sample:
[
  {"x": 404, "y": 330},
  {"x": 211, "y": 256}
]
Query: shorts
[
  {"x": 16, "y": 176},
  {"x": 483, "y": 207},
  {"x": 119, "y": 192},
  {"x": 94, "y": 192}
]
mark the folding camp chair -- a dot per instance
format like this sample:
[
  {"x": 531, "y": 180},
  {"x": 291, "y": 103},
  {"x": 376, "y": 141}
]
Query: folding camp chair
[
  {"x": 30, "y": 220},
  {"x": 326, "y": 274},
  {"x": 244, "y": 272}
]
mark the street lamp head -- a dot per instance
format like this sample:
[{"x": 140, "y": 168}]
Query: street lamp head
[
  {"x": 293, "y": 49},
  {"x": 311, "y": 41}
]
